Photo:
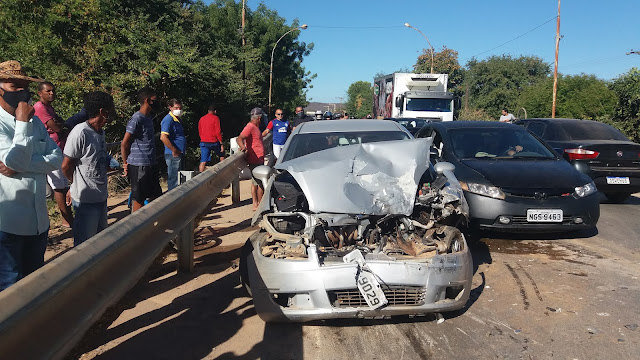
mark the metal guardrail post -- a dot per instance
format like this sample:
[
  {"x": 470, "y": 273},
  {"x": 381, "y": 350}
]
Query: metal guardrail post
[
  {"x": 185, "y": 248},
  {"x": 235, "y": 190}
]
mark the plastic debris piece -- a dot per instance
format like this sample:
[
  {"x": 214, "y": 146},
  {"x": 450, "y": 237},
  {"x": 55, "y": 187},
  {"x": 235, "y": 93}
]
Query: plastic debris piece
[
  {"x": 439, "y": 318},
  {"x": 632, "y": 327}
]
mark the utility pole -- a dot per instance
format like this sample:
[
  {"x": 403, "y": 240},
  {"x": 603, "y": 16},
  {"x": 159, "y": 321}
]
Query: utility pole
[
  {"x": 244, "y": 64},
  {"x": 555, "y": 70}
]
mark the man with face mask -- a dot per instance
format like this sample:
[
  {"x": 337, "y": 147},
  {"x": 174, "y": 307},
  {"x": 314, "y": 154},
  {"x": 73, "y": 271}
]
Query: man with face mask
[
  {"x": 139, "y": 152},
  {"x": 85, "y": 163},
  {"x": 174, "y": 140},
  {"x": 27, "y": 154},
  {"x": 300, "y": 117}
]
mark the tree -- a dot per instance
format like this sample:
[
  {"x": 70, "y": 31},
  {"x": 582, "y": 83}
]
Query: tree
[
  {"x": 579, "y": 96},
  {"x": 499, "y": 80},
  {"x": 359, "y": 99},
  {"x": 627, "y": 112},
  {"x": 444, "y": 62}
]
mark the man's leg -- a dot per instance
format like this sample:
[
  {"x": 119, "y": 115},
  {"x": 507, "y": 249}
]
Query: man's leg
[
  {"x": 202, "y": 167},
  {"x": 254, "y": 195},
  {"x": 173, "y": 166},
  {"x": 60, "y": 195},
  {"x": 33, "y": 252},
  {"x": 205, "y": 156},
  {"x": 87, "y": 219},
  {"x": 10, "y": 259}
]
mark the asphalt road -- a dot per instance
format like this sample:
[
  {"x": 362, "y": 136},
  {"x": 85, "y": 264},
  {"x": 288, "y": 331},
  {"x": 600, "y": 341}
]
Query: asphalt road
[{"x": 573, "y": 296}]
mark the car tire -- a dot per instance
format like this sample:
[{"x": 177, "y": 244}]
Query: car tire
[
  {"x": 617, "y": 197},
  {"x": 243, "y": 268}
]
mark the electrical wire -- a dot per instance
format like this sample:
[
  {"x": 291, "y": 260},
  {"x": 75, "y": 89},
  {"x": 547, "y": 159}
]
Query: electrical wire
[{"x": 515, "y": 38}]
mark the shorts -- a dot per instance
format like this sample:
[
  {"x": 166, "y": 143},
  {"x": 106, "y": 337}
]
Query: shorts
[
  {"x": 206, "y": 148},
  {"x": 57, "y": 180},
  {"x": 254, "y": 180},
  {"x": 145, "y": 182}
]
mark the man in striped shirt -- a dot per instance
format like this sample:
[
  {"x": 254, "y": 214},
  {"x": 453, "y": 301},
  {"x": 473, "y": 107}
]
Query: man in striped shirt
[{"x": 139, "y": 152}]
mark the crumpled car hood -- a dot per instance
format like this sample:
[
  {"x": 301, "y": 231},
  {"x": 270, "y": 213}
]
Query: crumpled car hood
[{"x": 375, "y": 178}]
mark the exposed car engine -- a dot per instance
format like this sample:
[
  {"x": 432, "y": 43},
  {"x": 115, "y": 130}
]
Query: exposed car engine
[{"x": 430, "y": 230}]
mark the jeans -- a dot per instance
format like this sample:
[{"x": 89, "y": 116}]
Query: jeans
[
  {"x": 90, "y": 219},
  {"x": 20, "y": 255},
  {"x": 174, "y": 165}
]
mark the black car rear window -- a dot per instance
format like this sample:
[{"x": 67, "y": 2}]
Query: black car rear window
[{"x": 588, "y": 130}]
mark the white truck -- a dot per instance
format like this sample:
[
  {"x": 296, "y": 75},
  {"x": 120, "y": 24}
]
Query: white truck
[{"x": 407, "y": 95}]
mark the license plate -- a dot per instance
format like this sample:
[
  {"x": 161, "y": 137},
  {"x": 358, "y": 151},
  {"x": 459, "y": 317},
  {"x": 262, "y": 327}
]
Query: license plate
[
  {"x": 544, "y": 215},
  {"x": 370, "y": 289},
  {"x": 367, "y": 283},
  {"x": 620, "y": 180}
]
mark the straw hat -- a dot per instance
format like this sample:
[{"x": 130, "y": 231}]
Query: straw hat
[{"x": 13, "y": 70}]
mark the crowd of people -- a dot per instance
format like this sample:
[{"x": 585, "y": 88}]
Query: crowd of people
[{"x": 37, "y": 147}]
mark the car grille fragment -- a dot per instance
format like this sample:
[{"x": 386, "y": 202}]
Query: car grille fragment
[{"x": 396, "y": 295}]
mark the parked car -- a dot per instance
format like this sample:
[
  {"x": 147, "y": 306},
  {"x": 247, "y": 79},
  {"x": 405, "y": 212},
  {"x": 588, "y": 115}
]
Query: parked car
[
  {"x": 412, "y": 124},
  {"x": 596, "y": 149},
  {"x": 512, "y": 181},
  {"x": 349, "y": 231}
]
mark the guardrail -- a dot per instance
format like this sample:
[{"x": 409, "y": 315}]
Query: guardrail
[{"x": 45, "y": 314}]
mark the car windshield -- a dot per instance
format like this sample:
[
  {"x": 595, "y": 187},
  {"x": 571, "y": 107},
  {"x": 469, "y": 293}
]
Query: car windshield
[
  {"x": 411, "y": 124},
  {"x": 439, "y": 105},
  {"x": 497, "y": 143},
  {"x": 591, "y": 131},
  {"x": 304, "y": 144}
]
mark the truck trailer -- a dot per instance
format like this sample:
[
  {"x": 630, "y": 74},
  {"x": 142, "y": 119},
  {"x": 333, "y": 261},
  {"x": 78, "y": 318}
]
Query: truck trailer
[{"x": 407, "y": 95}]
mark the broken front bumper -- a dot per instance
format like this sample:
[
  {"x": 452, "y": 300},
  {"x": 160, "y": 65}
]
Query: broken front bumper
[{"x": 304, "y": 289}]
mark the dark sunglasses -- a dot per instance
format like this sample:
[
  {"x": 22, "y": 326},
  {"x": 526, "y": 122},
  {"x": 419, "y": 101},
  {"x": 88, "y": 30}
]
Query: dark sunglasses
[{"x": 278, "y": 114}]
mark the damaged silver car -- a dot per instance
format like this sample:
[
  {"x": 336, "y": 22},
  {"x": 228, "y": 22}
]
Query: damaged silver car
[{"x": 356, "y": 222}]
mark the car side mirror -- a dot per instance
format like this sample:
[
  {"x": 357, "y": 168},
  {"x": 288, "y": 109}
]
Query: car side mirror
[
  {"x": 262, "y": 173},
  {"x": 441, "y": 167}
]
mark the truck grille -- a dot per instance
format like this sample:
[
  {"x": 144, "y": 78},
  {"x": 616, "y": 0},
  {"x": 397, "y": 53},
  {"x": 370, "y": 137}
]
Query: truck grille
[{"x": 396, "y": 295}]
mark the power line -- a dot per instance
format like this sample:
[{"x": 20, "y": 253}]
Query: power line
[
  {"x": 515, "y": 38},
  {"x": 355, "y": 27}
]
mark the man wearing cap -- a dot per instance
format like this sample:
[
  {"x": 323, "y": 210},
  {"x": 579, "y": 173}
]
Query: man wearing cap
[
  {"x": 27, "y": 154},
  {"x": 250, "y": 141}
]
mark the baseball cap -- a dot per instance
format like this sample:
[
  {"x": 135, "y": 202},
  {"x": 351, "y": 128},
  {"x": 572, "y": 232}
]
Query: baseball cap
[{"x": 256, "y": 111}]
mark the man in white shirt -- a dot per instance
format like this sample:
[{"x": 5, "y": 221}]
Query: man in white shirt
[
  {"x": 27, "y": 154},
  {"x": 506, "y": 116}
]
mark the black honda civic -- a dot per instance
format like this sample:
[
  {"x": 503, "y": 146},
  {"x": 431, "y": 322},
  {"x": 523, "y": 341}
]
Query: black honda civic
[{"x": 512, "y": 181}]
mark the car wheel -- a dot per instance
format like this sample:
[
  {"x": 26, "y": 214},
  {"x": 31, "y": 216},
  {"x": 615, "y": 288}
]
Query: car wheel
[
  {"x": 243, "y": 269},
  {"x": 617, "y": 197}
]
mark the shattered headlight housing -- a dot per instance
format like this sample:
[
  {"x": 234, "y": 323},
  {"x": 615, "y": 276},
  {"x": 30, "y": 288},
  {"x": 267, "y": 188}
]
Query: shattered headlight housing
[
  {"x": 585, "y": 190},
  {"x": 481, "y": 189}
]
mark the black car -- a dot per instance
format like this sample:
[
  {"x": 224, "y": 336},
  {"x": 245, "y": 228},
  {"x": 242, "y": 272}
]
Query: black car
[
  {"x": 411, "y": 124},
  {"x": 512, "y": 181},
  {"x": 596, "y": 149}
]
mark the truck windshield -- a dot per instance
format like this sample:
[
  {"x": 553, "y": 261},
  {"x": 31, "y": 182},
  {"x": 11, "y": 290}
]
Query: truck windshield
[{"x": 439, "y": 105}]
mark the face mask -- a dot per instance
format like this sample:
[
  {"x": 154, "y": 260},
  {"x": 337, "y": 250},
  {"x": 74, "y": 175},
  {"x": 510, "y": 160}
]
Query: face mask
[
  {"x": 176, "y": 112},
  {"x": 13, "y": 98},
  {"x": 155, "y": 105}
]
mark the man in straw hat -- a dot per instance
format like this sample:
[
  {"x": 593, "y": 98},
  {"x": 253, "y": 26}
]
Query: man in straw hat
[{"x": 27, "y": 154}]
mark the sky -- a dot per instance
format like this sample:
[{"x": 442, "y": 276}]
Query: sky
[{"x": 354, "y": 40}]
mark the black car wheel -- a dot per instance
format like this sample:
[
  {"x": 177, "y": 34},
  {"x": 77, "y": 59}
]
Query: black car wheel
[
  {"x": 243, "y": 269},
  {"x": 617, "y": 197}
]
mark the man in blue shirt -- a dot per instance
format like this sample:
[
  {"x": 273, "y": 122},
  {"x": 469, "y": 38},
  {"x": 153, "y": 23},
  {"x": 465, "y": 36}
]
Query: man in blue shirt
[
  {"x": 27, "y": 154},
  {"x": 139, "y": 152},
  {"x": 175, "y": 143},
  {"x": 281, "y": 131}
]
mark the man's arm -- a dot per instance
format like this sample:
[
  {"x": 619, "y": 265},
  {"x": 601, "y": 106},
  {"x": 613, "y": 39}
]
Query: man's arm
[
  {"x": 164, "y": 137},
  {"x": 125, "y": 150},
  {"x": 68, "y": 167},
  {"x": 241, "y": 142},
  {"x": 15, "y": 152}
]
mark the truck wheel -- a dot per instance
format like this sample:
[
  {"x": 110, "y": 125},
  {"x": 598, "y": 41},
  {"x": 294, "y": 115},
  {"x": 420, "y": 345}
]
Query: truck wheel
[
  {"x": 617, "y": 197},
  {"x": 243, "y": 268}
]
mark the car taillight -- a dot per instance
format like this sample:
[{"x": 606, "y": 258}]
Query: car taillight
[{"x": 581, "y": 154}]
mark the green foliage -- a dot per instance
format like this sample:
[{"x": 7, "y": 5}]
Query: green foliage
[
  {"x": 182, "y": 49},
  {"x": 499, "y": 80},
  {"x": 580, "y": 97},
  {"x": 359, "y": 99},
  {"x": 444, "y": 62},
  {"x": 627, "y": 112}
]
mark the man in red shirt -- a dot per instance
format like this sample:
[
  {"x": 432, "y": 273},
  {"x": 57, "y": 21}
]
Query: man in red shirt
[
  {"x": 250, "y": 141},
  {"x": 210, "y": 137}
]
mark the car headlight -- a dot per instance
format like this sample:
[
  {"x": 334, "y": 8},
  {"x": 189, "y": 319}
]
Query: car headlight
[
  {"x": 481, "y": 189},
  {"x": 585, "y": 190}
]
